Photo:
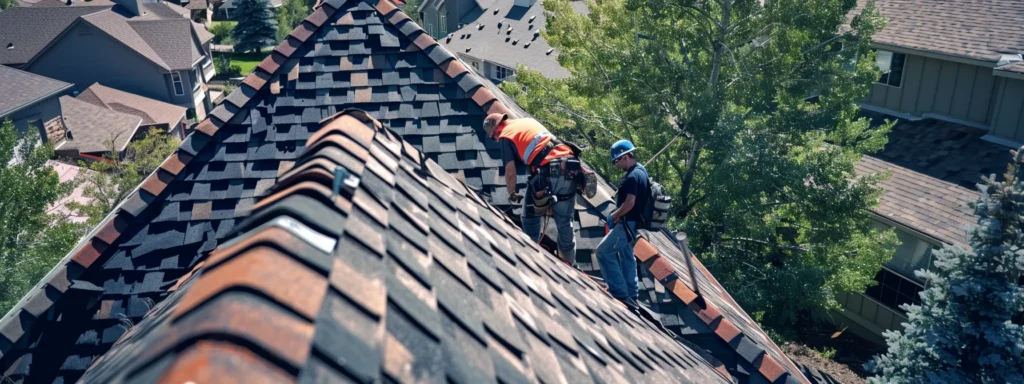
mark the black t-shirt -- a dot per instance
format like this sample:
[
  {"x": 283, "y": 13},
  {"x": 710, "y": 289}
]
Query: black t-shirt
[
  {"x": 635, "y": 183},
  {"x": 508, "y": 152}
]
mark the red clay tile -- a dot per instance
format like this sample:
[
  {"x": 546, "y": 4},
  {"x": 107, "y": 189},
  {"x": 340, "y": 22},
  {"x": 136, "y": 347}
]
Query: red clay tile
[
  {"x": 359, "y": 79},
  {"x": 385, "y": 7},
  {"x": 424, "y": 41},
  {"x": 661, "y": 268},
  {"x": 770, "y": 368},
  {"x": 211, "y": 361},
  {"x": 398, "y": 17},
  {"x": 271, "y": 63},
  {"x": 644, "y": 250},
  {"x": 176, "y": 162},
  {"x": 364, "y": 95},
  {"x": 727, "y": 330},
  {"x": 112, "y": 229},
  {"x": 316, "y": 169},
  {"x": 681, "y": 291},
  {"x": 256, "y": 79},
  {"x": 708, "y": 314},
  {"x": 342, "y": 203},
  {"x": 481, "y": 96},
  {"x": 303, "y": 32},
  {"x": 89, "y": 252},
  {"x": 319, "y": 17},
  {"x": 453, "y": 68},
  {"x": 288, "y": 46},
  {"x": 264, "y": 269},
  {"x": 157, "y": 181},
  {"x": 186, "y": 276}
]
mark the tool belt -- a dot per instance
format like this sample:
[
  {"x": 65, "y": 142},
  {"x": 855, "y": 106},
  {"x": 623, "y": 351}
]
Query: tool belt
[{"x": 568, "y": 168}]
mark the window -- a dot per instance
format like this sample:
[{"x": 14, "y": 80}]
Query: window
[
  {"x": 894, "y": 290},
  {"x": 891, "y": 65},
  {"x": 501, "y": 73},
  {"x": 444, "y": 23},
  {"x": 179, "y": 87}
]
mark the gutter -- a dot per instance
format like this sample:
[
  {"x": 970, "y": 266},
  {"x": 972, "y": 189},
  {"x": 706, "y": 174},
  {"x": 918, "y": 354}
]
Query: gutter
[
  {"x": 935, "y": 55},
  {"x": 41, "y": 98}
]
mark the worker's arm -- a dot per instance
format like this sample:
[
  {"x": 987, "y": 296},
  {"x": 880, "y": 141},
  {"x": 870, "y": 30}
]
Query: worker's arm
[
  {"x": 510, "y": 176},
  {"x": 626, "y": 206}
]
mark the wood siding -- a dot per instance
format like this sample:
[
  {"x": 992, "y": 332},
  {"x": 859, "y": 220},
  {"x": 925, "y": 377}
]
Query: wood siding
[
  {"x": 955, "y": 90},
  {"x": 1007, "y": 118}
]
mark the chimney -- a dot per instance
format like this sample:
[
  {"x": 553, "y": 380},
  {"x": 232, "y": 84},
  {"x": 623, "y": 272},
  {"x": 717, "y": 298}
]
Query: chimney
[{"x": 134, "y": 7}]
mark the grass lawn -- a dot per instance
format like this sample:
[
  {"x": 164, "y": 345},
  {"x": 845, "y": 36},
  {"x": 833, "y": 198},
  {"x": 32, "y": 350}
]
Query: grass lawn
[
  {"x": 247, "y": 61},
  {"x": 230, "y": 23}
]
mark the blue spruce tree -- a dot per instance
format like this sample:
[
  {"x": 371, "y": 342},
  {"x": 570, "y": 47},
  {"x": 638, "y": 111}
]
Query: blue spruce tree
[
  {"x": 963, "y": 331},
  {"x": 256, "y": 26}
]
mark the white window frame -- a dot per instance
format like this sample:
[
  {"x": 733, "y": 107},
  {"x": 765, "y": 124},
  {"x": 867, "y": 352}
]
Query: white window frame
[
  {"x": 443, "y": 21},
  {"x": 176, "y": 79},
  {"x": 884, "y": 61},
  {"x": 502, "y": 72}
]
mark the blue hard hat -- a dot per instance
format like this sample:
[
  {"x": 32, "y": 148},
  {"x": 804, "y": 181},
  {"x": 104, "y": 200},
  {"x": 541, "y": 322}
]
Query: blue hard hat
[{"x": 622, "y": 147}]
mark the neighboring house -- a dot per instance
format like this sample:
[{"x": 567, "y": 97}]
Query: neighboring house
[
  {"x": 30, "y": 101},
  {"x": 504, "y": 35},
  {"x": 440, "y": 17},
  {"x": 429, "y": 278},
  {"x": 228, "y": 7},
  {"x": 100, "y": 118},
  {"x": 953, "y": 60},
  {"x": 201, "y": 11},
  {"x": 169, "y": 118},
  {"x": 148, "y": 49}
]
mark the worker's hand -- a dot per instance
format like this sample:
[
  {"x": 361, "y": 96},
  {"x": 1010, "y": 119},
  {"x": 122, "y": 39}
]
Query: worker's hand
[
  {"x": 610, "y": 220},
  {"x": 515, "y": 197}
]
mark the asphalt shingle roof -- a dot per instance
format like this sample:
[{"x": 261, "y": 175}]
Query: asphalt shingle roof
[
  {"x": 980, "y": 30},
  {"x": 24, "y": 31},
  {"x": 936, "y": 167},
  {"x": 93, "y": 127},
  {"x": 495, "y": 44},
  {"x": 370, "y": 56},
  {"x": 20, "y": 88},
  {"x": 172, "y": 40},
  {"x": 402, "y": 273},
  {"x": 150, "y": 111}
]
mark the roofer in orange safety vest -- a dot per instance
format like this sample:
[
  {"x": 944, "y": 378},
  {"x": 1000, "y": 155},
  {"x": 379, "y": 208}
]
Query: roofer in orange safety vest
[{"x": 556, "y": 174}]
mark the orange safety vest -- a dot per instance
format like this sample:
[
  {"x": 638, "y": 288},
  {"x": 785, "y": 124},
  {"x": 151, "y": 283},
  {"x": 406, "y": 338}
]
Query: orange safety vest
[{"x": 530, "y": 138}]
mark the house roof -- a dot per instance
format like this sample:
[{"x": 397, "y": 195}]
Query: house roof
[
  {"x": 936, "y": 166},
  {"x": 24, "y": 31},
  {"x": 197, "y": 4},
  {"x": 172, "y": 39},
  {"x": 230, "y": 4},
  {"x": 64, "y": 3},
  {"x": 494, "y": 43},
  {"x": 150, "y": 111},
  {"x": 202, "y": 33},
  {"x": 979, "y": 30},
  {"x": 400, "y": 272},
  {"x": 21, "y": 89},
  {"x": 368, "y": 56},
  {"x": 93, "y": 127},
  {"x": 1016, "y": 67}
]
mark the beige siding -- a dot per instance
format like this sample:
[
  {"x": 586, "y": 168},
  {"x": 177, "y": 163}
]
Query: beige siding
[
  {"x": 1007, "y": 121},
  {"x": 946, "y": 88}
]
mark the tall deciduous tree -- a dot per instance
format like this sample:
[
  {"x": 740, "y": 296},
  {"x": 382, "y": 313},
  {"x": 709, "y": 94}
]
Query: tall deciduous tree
[
  {"x": 964, "y": 330},
  {"x": 116, "y": 176},
  {"x": 256, "y": 28},
  {"x": 32, "y": 238},
  {"x": 290, "y": 15},
  {"x": 751, "y": 110}
]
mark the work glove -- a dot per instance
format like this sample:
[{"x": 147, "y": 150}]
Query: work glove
[{"x": 515, "y": 197}]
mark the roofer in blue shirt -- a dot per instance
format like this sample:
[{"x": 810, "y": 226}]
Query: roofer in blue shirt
[{"x": 615, "y": 252}]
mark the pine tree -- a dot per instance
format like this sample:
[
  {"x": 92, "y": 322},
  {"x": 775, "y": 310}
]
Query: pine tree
[
  {"x": 256, "y": 26},
  {"x": 963, "y": 331}
]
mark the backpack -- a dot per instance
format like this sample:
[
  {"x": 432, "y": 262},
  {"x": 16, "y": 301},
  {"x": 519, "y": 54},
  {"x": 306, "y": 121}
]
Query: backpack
[{"x": 656, "y": 209}]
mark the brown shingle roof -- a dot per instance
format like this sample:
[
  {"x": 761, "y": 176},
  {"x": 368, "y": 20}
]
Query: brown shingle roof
[
  {"x": 980, "y": 30},
  {"x": 20, "y": 89},
  {"x": 151, "y": 111},
  {"x": 24, "y": 31},
  {"x": 93, "y": 127}
]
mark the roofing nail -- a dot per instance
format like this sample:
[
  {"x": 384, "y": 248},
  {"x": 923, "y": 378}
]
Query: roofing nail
[{"x": 549, "y": 51}]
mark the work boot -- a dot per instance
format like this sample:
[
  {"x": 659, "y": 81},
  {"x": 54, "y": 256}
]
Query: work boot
[
  {"x": 630, "y": 303},
  {"x": 590, "y": 184}
]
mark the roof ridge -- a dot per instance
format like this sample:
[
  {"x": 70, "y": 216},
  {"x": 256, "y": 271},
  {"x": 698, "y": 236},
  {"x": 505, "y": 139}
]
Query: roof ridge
[{"x": 157, "y": 59}]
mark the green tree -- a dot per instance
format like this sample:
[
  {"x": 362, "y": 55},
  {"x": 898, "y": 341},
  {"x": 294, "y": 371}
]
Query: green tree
[
  {"x": 290, "y": 15},
  {"x": 32, "y": 238},
  {"x": 964, "y": 330},
  {"x": 411, "y": 8},
  {"x": 221, "y": 33},
  {"x": 4, "y": 4},
  {"x": 256, "y": 28},
  {"x": 751, "y": 110},
  {"x": 116, "y": 176}
]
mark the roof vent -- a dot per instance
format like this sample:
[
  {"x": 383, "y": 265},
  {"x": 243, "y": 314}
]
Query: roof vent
[
  {"x": 496, "y": 10},
  {"x": 532, "y": 17},
  {"x": 549, "y": 51},
  {"x": 1007, "y": 59},
  {"x": 10, "y": 45},
  {"x": 448, "y": 39},
  {"x": 501, "y": 22},
  {"x": 468, "y": 49},
  {"x": 527, "y": 45},
  {"x": 516, "y": 41},
  {"x": 509, "y": 31},
  {"x": 536, "y": 34},
  {"x": 479, "y": 26}
]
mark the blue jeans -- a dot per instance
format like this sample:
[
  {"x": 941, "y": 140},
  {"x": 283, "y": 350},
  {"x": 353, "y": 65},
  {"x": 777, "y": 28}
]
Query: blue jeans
[
  {"x": 618, "y": 266},
  {"x": 562, "y": 211}
]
